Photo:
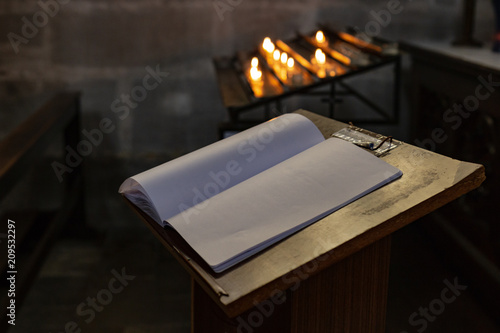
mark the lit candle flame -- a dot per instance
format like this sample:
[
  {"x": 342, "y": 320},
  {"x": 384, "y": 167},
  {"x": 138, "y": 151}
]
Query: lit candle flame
[
  {"x": 255, "y": 62},
  {"x": 290, "y": 62},
  {"x": 320, "y": 57},
  {"x": 266, "y": 42},
  {"x": 276, "y": 55},
  {"x": 268, "y": 45},
  {"x": 320, "y": 36},
  {"x": 255, "y": 74},
  {"x": 284, "y": 58}
]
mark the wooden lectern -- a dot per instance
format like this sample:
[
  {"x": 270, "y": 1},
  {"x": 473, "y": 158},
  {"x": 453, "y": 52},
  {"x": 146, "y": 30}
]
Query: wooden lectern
[{"x": 333, "y": 275}]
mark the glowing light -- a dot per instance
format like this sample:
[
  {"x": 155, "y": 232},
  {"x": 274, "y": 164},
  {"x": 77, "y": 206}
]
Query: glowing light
[
  {"x": 276, "y": 55},
  {"x": 267, "y": 45},
  {"x": 284, "y": 58},
  {"x": 320, "y": 36},
  {"x": 255, "y": 74},
  {"x": 290, "y": 63},
  {"x": 255, "y": 62},
  {"x": 320, "y": 57},
  {"x": 266, "y": 42}
]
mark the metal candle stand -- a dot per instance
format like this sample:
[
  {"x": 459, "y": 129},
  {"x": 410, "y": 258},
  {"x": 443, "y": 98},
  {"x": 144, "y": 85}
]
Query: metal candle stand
[{"x": 347, "y": 55}]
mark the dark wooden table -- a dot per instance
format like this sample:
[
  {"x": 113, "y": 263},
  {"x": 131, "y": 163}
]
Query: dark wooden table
[{"x": 333, "y": 275}]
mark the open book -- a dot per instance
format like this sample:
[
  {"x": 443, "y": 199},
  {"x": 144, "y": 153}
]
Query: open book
[{"x": 235, "y": 197}]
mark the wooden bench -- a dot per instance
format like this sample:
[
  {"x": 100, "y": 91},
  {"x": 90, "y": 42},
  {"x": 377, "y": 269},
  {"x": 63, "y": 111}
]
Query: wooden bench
[{"x": 22, "y": 150}]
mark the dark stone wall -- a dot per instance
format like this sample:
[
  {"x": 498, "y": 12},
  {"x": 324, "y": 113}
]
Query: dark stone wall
[{"x": 105, "y": 49}]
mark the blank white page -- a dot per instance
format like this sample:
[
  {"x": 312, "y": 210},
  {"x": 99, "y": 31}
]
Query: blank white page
[
  {"x": 242, "y": 220},
  {"x": 190, "y": 179}
]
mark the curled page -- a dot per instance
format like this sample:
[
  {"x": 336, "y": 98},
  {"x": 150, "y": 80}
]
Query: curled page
[{"x": 192, "y": 179}]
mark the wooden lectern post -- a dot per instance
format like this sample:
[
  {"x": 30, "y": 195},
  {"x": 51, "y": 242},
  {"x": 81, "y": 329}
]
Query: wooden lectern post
[{"x": 350, "y": 296}]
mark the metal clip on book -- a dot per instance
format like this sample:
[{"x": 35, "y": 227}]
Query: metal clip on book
[{"x": 376, "y": 143}]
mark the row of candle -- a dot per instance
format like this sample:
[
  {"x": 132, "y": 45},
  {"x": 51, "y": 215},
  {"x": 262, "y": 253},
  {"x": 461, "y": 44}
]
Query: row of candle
[
  {"x": 284, "y": 65},
  {"x": 256, "y": 80},
  {"x": 319, "y": 59},
  {"x": 255, "y": 72},
  {"x": 319, "y": 63}
]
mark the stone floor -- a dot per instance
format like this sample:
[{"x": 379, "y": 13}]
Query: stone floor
[{"x": 154, "y": 294}]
